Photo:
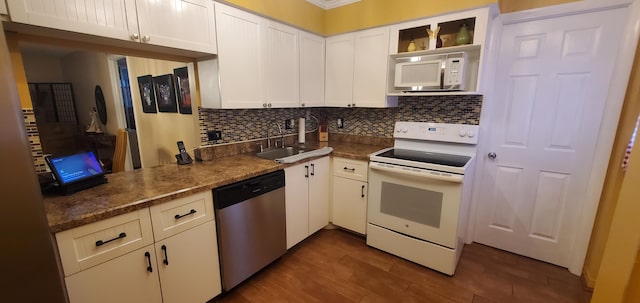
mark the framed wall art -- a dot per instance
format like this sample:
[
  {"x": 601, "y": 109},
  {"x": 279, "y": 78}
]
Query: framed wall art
[
  {"x": 147, "y": 94},
  {"x": 182, "y": 89},
  {"x": 165, "y": 93}
]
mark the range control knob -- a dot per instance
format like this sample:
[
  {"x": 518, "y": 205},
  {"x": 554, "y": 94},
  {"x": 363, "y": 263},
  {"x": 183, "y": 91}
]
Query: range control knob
[
  {"x": 405, "y": 130},
  {"x": 462, "y": 133},
  {"x": 470, "y": 134}
]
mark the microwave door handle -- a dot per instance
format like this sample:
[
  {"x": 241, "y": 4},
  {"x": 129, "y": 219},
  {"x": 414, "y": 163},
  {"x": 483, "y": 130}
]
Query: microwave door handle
[{"x": 451, "y": 178}]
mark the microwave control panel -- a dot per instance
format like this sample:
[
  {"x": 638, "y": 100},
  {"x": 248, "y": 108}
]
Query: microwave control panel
[{"x": 454, "y": 73}]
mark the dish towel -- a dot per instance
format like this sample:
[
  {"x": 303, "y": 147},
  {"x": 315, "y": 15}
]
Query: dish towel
[
  {"x": 314, "y": 153},
  {"x": 625, "y": 160}
]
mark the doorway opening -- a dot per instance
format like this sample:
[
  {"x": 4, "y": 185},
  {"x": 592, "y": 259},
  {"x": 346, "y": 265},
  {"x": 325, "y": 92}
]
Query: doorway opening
[{"x": 127, "y": 105}]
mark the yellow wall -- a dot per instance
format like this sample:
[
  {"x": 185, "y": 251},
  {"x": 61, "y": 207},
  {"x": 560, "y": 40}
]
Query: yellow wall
[
  {"x": 159, "y": 132},
  {"x": 369, "y": 13},
  {"x": 372, "y": 13},
  {"x": 623, "y": 242},
  {"x": 633, "y": 288},
  {"x": 298, "y": 13},
  {"x": 507, "y": 6},
  {"x": 615, "y": 176},
  {"x": 18, "y": 71}
]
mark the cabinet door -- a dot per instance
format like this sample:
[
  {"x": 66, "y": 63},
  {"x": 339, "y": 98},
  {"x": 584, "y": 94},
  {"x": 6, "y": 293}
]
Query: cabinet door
[
  {"x": 107, "y": 18},
  {"x": 370, "y": 68},
  {"x": 280, "y": 61},
  {"x": 318, "y": 194},
  {"x": 350, "y": 204},
  {"x": 239, "y": 58},
  {"x": 191, "y": 272},
  {"x": 128, "y": 278},
  {"x": 311, "y": 70},
  {"x": 184, "y": 24},
  {"x": 339, "y": 70},
  {"x": 297, "y": 203}
]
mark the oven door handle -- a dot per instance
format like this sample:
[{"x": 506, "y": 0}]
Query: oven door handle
[{"x": 449, "y": 178}]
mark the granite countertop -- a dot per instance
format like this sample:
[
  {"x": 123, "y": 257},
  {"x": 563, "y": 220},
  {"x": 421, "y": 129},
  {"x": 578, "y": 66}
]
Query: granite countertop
[{"x": 133, "y": 190}]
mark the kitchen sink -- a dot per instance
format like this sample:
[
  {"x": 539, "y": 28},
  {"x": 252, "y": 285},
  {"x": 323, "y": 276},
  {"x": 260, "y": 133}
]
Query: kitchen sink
[{"x": 277, "y": 153}]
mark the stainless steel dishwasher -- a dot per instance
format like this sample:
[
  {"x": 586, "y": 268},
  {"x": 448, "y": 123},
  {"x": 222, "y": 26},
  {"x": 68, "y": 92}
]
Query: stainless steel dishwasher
[{"x": 251, "y": 225}]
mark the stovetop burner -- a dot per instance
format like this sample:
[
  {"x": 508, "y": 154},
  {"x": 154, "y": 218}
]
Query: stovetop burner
[{"x": 426, "y": 157}]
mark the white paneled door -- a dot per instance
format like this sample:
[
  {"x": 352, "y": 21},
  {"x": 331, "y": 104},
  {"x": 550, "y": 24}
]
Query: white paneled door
[{"x": 550, "y": 93}]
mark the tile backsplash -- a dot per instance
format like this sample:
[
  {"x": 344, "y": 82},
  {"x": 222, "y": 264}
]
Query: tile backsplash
[
  {"x": 249, "y": 124},
  {"x": 34, "y": 140}
]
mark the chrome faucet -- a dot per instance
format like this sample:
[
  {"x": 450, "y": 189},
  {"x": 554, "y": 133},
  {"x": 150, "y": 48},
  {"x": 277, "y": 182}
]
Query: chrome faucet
[{"x": 279, "y": 130}]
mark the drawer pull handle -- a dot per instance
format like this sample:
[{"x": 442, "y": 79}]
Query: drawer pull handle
[
  {"x": 148, "y": 255},
  {"x": 362, "y": 191},
  {"x": 166, "y": 257},
  {"x": 191, "y": 212},
  {"x": 349, "y": 169},
  {"x": 100, "y": 242}
]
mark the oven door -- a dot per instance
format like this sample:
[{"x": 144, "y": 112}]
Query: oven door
[{"x": 416, "y": 202}]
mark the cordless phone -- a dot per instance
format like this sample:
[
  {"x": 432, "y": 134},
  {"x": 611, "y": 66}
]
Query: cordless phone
[{"x": 183, "y": 157}]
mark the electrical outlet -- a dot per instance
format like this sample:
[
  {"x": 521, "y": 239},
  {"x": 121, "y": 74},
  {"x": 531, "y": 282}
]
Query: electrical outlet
[
  {"x": 214, "y": 135},
  {"x": 340, "y": 123},
  {"x": 289, "y": 124}
]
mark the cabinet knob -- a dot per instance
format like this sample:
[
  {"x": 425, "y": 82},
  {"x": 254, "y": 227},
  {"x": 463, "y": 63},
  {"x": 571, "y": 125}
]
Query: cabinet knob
[
  {"x": 264, "y": 104},
  {"x": 349, "y": 105},
  {"x": 146, "y": 38},
  {"x": 301, "y": 104},
  {"x": 134, "y": 37},
  {"x": 269, "y": 105}
]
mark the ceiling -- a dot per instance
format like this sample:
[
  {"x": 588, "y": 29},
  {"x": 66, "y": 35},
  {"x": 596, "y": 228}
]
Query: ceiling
[{"x": 329, "y": 4}]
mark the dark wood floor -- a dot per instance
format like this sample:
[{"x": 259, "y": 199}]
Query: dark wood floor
[{"x": 337, "y": 266}]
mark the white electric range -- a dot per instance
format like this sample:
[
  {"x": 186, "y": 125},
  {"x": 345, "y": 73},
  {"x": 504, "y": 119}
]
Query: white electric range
[{"x": 419, "y": 193}]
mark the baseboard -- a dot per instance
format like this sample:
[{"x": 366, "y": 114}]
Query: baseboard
[{"x": 588, "y": 279}]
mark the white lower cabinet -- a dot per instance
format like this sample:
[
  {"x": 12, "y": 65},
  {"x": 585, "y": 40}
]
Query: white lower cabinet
[
  {"x": 306, "y": 199},
  {"x": 131, "y": 277},
  {"x": 118, "y": 260},
  {"x": 349, "y": 201},
  {"x": 188, "y": 265}
]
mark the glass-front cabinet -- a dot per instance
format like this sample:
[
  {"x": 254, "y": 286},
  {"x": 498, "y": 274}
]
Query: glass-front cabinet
[{"x": 461, "y": 32}]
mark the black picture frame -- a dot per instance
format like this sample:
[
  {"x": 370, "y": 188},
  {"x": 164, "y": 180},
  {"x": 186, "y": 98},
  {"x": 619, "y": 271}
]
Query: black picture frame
[
  {"x": 147, "y": 94},
  {"x": 183, "y": 91},
  {"x": 165, "y": 93}
]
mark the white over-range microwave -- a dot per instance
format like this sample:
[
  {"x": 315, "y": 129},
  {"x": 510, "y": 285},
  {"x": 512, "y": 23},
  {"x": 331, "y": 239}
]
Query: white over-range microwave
[{"x": 423, "y": 73}]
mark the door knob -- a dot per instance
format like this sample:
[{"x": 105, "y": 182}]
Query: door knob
[{"x": 492, "y": 155}]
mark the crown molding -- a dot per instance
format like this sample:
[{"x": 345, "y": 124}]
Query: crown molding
[{"x": 329, "y": 4}]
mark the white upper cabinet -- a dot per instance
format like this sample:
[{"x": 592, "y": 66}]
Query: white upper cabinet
[
  {"x": 265, "y": 64},
  {"x": 3, "y": 8},
  {"x": 339, "y": 73},
  {"x": 356, "y": 74},
  {"x": 239, "y": 58},
  {"x": 311, "y": 70},
  {"x": 370, "y": 68},
  {"x": 185, "y": 24},
  {"x": 162, "y": 23},
  {"x": 281, "y": 65}
]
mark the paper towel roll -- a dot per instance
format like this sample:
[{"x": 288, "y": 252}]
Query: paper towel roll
[{"x": 301, "y": 131}]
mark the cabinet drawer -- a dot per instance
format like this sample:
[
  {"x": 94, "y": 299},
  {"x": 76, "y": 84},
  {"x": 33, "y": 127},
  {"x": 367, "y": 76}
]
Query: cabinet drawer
[
  {"x": 181, "y": 214},
  {"x": 352, "y": 169},
  {"x": 89, "y": 245}
]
